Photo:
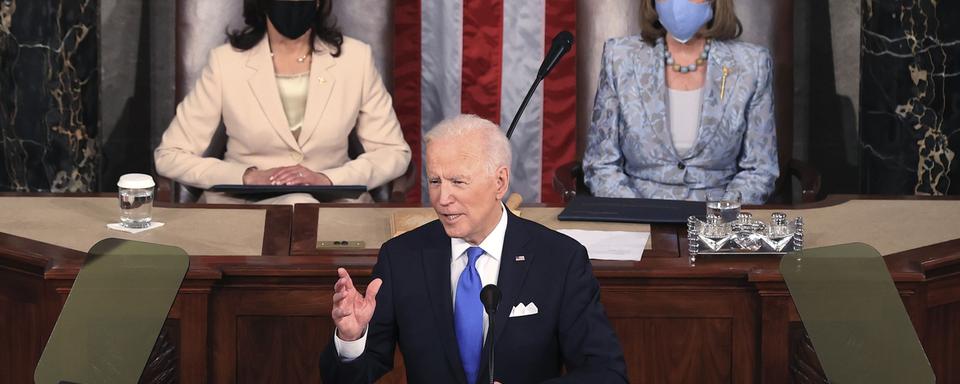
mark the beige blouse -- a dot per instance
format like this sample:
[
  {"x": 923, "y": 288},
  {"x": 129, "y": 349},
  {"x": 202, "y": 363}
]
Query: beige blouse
[{"x": 293, "y": 95}]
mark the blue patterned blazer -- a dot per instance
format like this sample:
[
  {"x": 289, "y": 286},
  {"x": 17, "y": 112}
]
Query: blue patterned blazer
[{"x": 630, "y": 151}]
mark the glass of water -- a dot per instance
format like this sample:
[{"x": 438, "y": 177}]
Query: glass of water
[
  {"x": 136, "y": 200},
  {"x": 725, "y": 204}
]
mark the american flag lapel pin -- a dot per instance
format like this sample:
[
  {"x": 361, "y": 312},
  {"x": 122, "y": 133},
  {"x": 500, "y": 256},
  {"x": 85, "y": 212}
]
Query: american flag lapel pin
[{"x": 520, "y": 258}]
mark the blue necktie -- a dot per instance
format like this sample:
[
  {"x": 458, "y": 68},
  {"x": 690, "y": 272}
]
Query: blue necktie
[{"x": 468, "y": 316}]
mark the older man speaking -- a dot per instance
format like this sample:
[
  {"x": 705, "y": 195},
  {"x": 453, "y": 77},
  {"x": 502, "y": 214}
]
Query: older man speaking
[{"x": 426, "y": 292}]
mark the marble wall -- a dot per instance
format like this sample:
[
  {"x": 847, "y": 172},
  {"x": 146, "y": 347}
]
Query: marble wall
[
  {"x": 910, "y": 97},
  {"x": 49, "y": 95}
]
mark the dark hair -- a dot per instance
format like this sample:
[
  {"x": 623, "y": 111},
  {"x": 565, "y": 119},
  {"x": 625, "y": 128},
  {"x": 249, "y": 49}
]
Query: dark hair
[
  {"x": 724, "y": 26},
  {"x": 255, "y": 16}
]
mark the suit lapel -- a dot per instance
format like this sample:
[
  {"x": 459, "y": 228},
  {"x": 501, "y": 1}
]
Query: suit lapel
[
  {"x": 436, "y": 267},
  {"x": 321, "y": 86},
  {"x": 713, "y": 107},
  {"x": 655, "y": 101},
  {"x": 510, "y": 280},
  {"x": 512, "y": 272},
  {"x": 263, "y": 84}
]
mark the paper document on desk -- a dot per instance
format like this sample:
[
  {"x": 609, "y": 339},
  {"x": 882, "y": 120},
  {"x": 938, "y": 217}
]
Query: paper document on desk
[{"x": 611, "y": 245}]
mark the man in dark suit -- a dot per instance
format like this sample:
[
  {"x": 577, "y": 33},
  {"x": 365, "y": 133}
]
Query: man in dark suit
[{"x": 426, "y": 292}]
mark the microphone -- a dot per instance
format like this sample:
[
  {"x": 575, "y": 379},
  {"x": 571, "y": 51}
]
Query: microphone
[
  {"x": 490, "y": 297},
  {"x": 560, "y": 46}
]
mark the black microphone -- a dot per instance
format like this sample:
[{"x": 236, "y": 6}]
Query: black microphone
[
  {"x": 490, "y": 297},
  {"x": 560, "y": 46}
]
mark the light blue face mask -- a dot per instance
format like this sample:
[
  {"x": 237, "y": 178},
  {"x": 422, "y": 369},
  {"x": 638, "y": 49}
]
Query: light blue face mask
[{"x": 683, "y": 18}]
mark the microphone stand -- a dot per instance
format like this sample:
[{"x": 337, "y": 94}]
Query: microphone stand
[
  {"x": 490, "y": 297},
  {"x": 523, "y": 105},
  {"x": 490, "y": 355},
  {"x": 560, "y": 46}
]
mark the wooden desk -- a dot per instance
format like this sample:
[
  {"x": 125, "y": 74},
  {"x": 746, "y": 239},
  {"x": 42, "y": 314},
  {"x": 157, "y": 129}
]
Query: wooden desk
[
  {"x": 266, "y": 318},
  {"x": 35, "y": 277},
  {"x": 731, "y": 320}
]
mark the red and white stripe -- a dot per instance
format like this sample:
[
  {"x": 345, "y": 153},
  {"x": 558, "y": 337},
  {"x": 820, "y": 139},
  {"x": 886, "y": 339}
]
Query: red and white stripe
[{"x": 480, "y": 57}]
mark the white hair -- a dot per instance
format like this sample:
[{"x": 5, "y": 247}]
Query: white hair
[{"x": 495, "y": 144}]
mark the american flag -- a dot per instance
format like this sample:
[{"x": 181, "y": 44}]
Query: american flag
[{"x": 480, "y": 57}]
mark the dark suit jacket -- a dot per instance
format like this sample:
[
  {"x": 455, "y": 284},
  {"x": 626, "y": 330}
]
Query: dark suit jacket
[{"x": 415, "y": 309}]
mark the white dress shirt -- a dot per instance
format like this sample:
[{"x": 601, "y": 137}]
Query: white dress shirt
[{"x": 488, "y": 266}]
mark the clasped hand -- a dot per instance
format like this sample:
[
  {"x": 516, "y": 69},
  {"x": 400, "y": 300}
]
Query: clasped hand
[{"x": 292, "y": 175}]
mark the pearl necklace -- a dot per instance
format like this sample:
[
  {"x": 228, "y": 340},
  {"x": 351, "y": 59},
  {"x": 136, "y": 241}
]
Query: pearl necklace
[
  {"x": 668, "y": 58},
  {"x": 299, "y": 59}
]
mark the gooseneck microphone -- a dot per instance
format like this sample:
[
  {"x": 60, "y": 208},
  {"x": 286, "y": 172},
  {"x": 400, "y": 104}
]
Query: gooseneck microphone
[
  {"x": 560, "y": 46},
  {"x": 490, "y": 297}
]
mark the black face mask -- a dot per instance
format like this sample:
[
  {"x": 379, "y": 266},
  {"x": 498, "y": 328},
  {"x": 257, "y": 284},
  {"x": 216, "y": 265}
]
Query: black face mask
[{"x": 292, "y": 18}]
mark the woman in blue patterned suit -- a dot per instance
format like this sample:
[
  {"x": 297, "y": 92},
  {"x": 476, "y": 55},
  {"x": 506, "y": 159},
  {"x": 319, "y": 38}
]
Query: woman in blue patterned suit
[{"x": 683, "y": 109}]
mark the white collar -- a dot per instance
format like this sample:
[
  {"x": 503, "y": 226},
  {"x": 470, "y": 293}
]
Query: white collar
[{"x": 492, "y": 245}]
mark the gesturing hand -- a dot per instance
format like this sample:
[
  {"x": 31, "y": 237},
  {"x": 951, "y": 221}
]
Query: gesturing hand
[{"x": 351, "y": 310}]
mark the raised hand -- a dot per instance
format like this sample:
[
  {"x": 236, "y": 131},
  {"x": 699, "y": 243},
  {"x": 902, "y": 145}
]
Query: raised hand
[{"x": 352, "y": 311}]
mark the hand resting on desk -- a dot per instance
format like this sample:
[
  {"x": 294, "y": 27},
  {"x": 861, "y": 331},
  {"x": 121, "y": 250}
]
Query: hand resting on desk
[{"x": 291, "y": 175}]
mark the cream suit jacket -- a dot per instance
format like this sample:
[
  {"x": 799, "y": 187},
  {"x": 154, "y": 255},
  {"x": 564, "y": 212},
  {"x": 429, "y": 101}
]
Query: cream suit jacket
[{"x": 240, "y": 88}]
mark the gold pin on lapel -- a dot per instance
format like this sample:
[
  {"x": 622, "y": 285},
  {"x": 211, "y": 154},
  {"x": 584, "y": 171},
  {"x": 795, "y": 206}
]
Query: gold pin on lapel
[{"x": 723, "y": 82}]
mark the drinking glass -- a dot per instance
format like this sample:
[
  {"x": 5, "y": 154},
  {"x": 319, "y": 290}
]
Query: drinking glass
[
  {"x": 725, "y": 204},
  {"x": 136, "y": 200}
]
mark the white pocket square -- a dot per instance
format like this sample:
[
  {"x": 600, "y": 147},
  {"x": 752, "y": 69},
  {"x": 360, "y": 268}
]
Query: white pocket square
[{"x": 524, "y": 310}]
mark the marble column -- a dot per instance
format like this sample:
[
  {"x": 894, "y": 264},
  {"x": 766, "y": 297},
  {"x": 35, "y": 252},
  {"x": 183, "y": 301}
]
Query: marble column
[
  {"x": 910, "y": 97},
  {"x": 48, "y": 95}
]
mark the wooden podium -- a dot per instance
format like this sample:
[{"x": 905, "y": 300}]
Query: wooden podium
[{"x": 262, "y": 313}]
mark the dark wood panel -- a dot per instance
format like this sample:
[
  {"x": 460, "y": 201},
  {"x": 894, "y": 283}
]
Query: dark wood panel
[
  {"x": 734, "y": 306},
  {"x": 943, "y": 342},
  {"x": 18, "y": 340},
  {"x": 20, "y": 319},
  {"x": 280, "y": 349},
  {"x": 191, "y": 313},
  {"x": 693, "y": 301},
  {"x": 303, "y": 239},
  {"x": 944, "y": 291},
  {"x": 676, "y": 350},
  {"x": 270, "y": 335},
  {"x": 774, "y": 338}
]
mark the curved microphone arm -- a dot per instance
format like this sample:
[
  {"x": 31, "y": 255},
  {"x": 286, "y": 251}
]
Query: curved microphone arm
[
  {"x": 560, "y": 46},
  {"x": 523, "y": 105}
]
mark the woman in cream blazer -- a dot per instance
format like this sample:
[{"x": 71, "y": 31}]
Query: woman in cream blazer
[{"x": 240, "y": 88}]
